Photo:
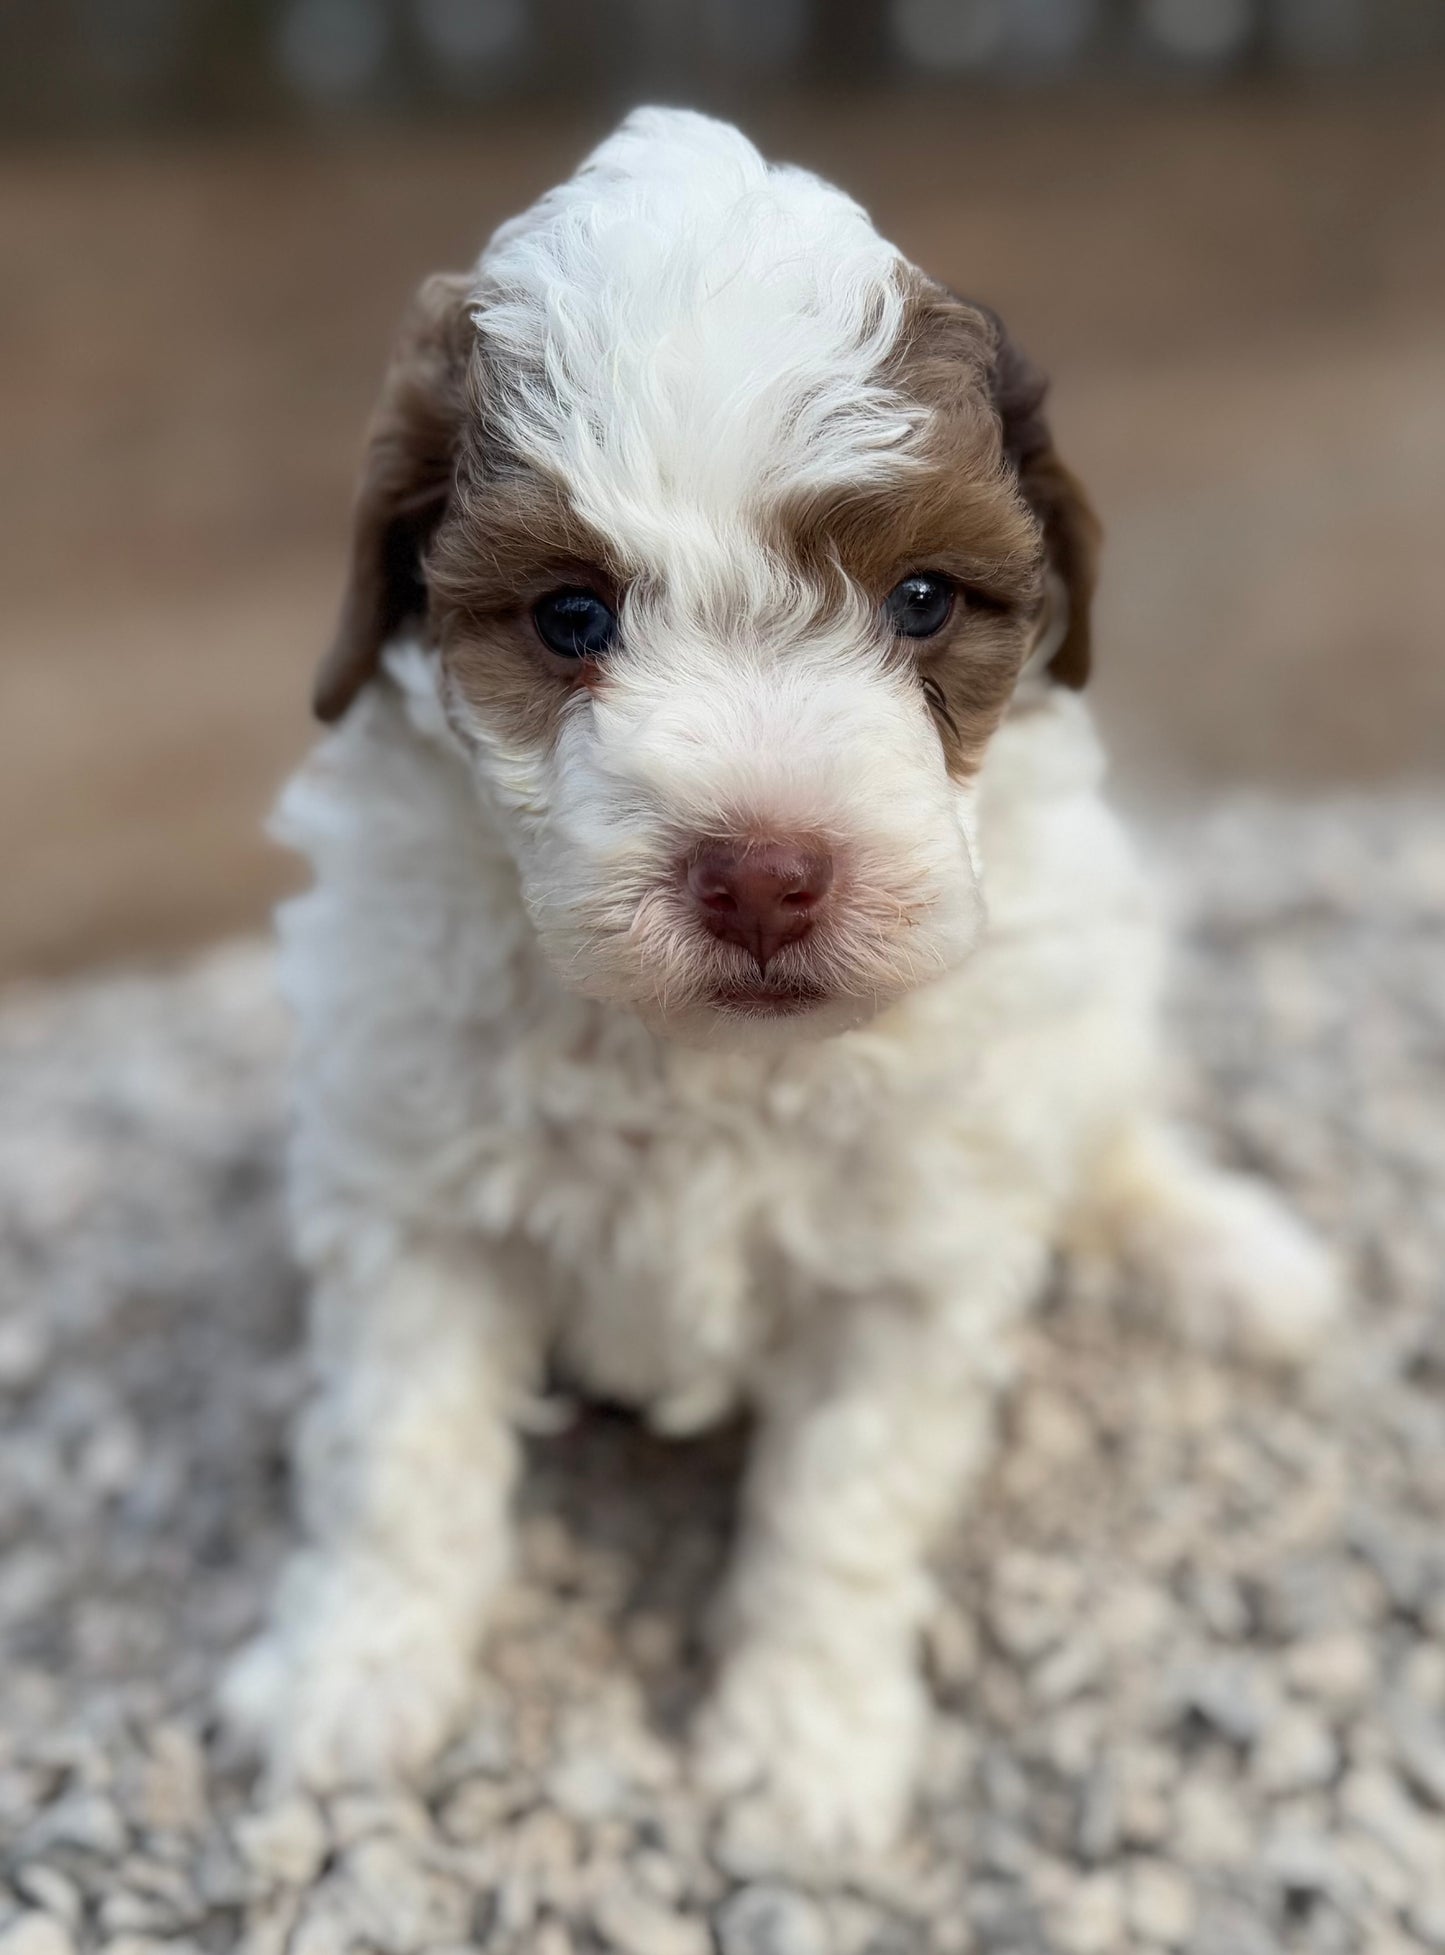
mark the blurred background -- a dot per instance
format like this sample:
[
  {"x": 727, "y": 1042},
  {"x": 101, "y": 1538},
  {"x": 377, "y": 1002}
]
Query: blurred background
[{"x": 1217, "y": 222}]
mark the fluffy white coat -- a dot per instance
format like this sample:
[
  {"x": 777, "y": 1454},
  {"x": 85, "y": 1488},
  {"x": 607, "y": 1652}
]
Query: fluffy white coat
[{"x": 504, "y": 1155}]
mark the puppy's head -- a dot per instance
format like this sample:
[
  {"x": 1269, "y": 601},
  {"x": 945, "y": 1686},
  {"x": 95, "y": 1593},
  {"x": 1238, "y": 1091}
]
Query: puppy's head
[{"x": 733, "y": 533}]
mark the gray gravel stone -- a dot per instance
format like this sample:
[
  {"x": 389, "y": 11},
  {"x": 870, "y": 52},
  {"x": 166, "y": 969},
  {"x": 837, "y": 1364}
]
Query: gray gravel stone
[
  {"x": 1159, "y": 1903},
  {"x": 636, "y": 1925},
  {"x": 51, "y": 1891},
  {"x": 1338, "y": 1669},
  {"x": 1297, "y": 1753},
  {"x": 404, "y": 1904},
  {"x": 36, "y": 1934},
  {"x": 285, "y": 1843},
  {"x": 1425, "y": 1917},
  {"x": 1229, "y": 1694},
  {"x": 1420, "y": 1746},
  {"x": 1089, "y": 1920},
  {"x": 771, "y": 1920},
  {"x": 1230, "y": 1927}
]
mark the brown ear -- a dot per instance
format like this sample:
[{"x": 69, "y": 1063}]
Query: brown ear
[
  {"x": 1071, "y": 529},
  {"x": 406, "y": 478}
]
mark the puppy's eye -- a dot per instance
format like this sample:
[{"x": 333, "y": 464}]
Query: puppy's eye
[
  {"x": 575, "y": 623},
  {"x": 920, "y": 605}
]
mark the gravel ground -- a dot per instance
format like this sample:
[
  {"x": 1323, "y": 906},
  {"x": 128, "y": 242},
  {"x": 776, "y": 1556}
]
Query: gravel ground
[{"x": 1191, "y": 1663}]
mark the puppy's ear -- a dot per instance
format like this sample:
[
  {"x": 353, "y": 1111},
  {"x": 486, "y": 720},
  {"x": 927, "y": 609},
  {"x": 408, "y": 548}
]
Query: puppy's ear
[
  {"x": 1071, "y": 529},
  {"x": 406, "y": 479}
]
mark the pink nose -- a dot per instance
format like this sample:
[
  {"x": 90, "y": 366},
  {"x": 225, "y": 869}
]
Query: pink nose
[{"x": 760, "y": 898}]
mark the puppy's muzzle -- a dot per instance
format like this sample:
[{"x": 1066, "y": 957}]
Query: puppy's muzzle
[{"x": 760, "y": 898}]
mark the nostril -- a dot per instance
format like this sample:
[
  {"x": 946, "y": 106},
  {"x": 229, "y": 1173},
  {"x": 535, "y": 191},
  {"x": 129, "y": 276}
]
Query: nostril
[
  {"x": 710, "y": 881},
  {"x": 808, "y": 884}
]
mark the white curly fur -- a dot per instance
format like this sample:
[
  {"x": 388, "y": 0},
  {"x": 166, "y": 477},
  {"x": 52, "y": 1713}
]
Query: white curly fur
[{"x": 505, "y": 1154}]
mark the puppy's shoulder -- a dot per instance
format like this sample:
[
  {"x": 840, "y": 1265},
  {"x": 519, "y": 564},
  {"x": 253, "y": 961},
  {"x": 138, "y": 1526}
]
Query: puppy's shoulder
[
  {"x": 1055, "y": 851},
  {"x": 413, "y": 915},
  {"x": 387, "y": 788}
]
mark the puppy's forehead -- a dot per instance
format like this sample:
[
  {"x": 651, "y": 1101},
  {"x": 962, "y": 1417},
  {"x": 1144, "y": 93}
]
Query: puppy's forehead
[{"x": 688, "y": 338}]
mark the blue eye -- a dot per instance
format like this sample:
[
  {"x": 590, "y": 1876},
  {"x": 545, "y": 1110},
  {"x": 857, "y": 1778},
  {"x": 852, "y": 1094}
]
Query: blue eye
[
  {"x": 575, "y": 623},
  {"x": 920, "y": 605}
]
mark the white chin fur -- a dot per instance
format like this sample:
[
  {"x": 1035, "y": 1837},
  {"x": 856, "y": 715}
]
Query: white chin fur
[{"x": 717, "y": 1028}]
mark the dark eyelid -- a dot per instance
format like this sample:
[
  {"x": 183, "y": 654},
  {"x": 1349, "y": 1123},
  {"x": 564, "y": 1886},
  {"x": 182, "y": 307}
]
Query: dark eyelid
[
  {"x": 979, "y": 597},
  {"x": 566, "y": 575}
]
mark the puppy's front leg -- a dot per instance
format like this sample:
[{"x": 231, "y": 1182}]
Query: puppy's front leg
[
  {"x": 405, "y": 1461},
  {"x": 870, "y": 1431}
]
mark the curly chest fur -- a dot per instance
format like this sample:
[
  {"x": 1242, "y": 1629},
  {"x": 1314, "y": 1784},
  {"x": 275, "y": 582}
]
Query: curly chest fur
[{"x": 685, "y": 1206}]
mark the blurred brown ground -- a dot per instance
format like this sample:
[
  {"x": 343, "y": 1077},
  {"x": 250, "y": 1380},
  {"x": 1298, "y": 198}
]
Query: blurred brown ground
[{"x": 1240, "y": 298}]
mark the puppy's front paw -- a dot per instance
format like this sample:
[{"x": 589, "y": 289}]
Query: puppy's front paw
[
  {"x": 359, "y": 1681},
  {"x": 814, "y": 1762}
]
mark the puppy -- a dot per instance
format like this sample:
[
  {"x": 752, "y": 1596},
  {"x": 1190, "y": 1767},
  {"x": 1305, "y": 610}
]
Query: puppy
[{"x": 723, "y": 979}]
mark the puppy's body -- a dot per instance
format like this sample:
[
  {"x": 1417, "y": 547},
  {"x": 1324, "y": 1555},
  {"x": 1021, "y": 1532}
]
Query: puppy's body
[
  {"x": 685, "y": 1202},
  {"x": 549, "y": 1109}
]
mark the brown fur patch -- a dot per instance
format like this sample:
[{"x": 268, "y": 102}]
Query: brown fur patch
[
  {"x": 511, "y": 536},
  {"x": 451, "y": 532},
  {"x": 1017, "y": 390},
  {"x": 960, "y": 512},
  {"x": 406, "y": 480}
]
